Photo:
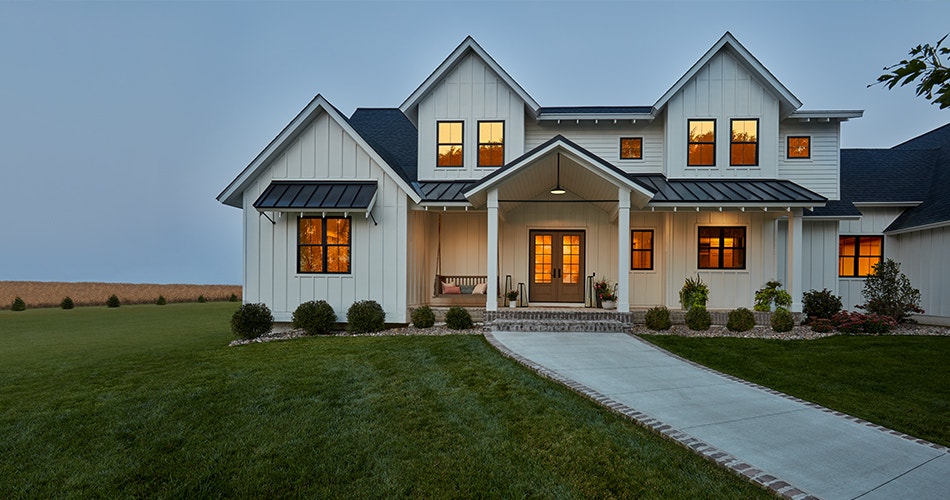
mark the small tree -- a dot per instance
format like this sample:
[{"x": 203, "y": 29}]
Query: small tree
[
  {"x": 18, "y": 305},
  {"x": 888, "y": 292},
  {"x": 161, "y": 300},
  {"x": 202, "y": 299},
  {"x": 67, "y": 303},
  {"x": 113, "y": 301}
]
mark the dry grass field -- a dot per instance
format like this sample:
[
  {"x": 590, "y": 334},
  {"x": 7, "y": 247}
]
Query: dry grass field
[{"x": 50, "y": 294}]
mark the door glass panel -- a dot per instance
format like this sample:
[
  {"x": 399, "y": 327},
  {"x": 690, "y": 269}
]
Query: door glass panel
[
  {"x": 542, "y": 258},
  {"x": 571, "y": 257}
]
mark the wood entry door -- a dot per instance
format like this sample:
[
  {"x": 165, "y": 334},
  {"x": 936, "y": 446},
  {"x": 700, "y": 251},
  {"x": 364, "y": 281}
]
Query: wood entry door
[{"x": 557, "y": 266}]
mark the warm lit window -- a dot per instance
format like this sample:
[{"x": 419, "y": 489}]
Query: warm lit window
[
  {"x": 631, "y": 148},
  {"x": 702, "y": 143},
  {"x": 449, "y": 144},
  {"x": 323, "y": 245},
  {"x": 641, "y": 253},
  {"x": 857, "y": 255},
  {"x": 744, "y": 150},
  {"x": 799, "y": 147},
  {"x": 722, "y": 248},
  {"x": 491, "y": 144}
]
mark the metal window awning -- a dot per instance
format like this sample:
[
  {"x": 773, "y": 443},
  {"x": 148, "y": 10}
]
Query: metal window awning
[{"x": 318, "y": 197}]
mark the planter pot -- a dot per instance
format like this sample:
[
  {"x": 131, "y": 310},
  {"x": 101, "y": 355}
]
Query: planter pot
[
  {"x": 609, "y": 304},
  {"x": 512, "y": 304}
]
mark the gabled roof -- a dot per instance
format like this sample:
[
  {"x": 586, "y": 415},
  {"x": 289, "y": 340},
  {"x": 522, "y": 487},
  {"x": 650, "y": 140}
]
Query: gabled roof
[
  {"x": 233, "y": 194},
  {"x": 728, "y": 42},
  {"x": 468, "y": 46},
  {"x": 935, "y": 209}
]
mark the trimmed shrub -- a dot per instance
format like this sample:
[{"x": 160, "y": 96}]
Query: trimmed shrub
[
  {"x": 889, "y": 292},
  {"x": 782, "y": 320},
  {"x": 113, "y": 301},
  {"x": 658, "y": 319},
  {"x": 458, "y": 318},
  {"x": 822, "y": 325},
  {"x": 423, "y": 317},
  {"x": 365, "y": 316},
  {"x": 849, "y": 322},
  {"x": 252, "y": 320},
  {"x": 202, "y": 299},
  {"x": 67, "y": 303},
  {"x": 740, "y": 320},
  {"x": 233, "y": 298},
  {"x": 698, "y": 319},
  {"x": 878, "y": 324},
  {"x": 161, "y": 300},
  {"x": 315, "y": 317},
  {"x": 820, "y": 305},
  {"x": 18, "y": 305}
]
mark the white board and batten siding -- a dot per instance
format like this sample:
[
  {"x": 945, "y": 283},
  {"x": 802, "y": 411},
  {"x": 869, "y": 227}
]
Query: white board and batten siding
[
  {"x": 920, "y": 254},
  {"x": 470, "y": 93},
  {"x": 819, "y": 254},
  {"x": 378, "y": 258},
  {"x": 722, "y": 90},
  {"x": 820, "y": 172},
  {"x": 603, "y": 140}
]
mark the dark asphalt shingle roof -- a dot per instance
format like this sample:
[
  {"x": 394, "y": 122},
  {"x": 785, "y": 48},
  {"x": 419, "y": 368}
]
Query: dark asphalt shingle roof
[
  {"x": 300, "y": 195},
  {"x": 392, "y": 135}
]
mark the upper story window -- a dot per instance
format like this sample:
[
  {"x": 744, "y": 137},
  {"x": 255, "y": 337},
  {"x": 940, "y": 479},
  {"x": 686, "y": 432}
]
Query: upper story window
[
  {"x": 323, "y": 245},
  {"x": 641, "y": 251},
  {"x": 798, "y": 147},
  {"x": 491, "y": 144},
  {"x": 722, "y": 247},
  {"x": 857, "y": 255},
  {"x": 631, "y": 148},
  {"x": 702, "y": 143},
  {"x": 744, "y": 150},
  {"x": 449, "y": 144}
]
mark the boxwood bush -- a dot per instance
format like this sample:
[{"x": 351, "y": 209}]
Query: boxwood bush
[
  {"x": 658, "y": 318},
  {"x": 365, "y": 316},
  {"x": 698, "y": 319},
  {"x": 423, "y": 317},
  {"x": 740, "y": 320},
  {"x": 458, "y": 318},
  {"x": 252, "y": 320},
  {"x": 315, "y": 317},
  {"x": 782, "y": 320}
]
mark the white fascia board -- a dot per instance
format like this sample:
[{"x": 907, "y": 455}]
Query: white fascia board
[
  {"x": 748, "y": 205},
  {"x": 607, "y": 117},
  {"x": 830, "y": 114},
  {"x": 897, "y": 204},
  {"x": 935, "y": 225}
]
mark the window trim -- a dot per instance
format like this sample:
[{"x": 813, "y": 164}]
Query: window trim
[
  {"x": 651, "y": 250},
  {"x": 856, "y": 258},
  {"x": 788, "y": 147},
  {"x": 461, "y": 145},
  {"x": 640, "y": 157},
  {"x": 690, "y": 143},
  {"x": 721, "y": 247},
  {"x": 325, "y": 246},
  {"x": 732, "y": 141},
  {"x": 479, "y": 142}
]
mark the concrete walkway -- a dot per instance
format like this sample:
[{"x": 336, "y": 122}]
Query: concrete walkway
[{"x": 795, "y": 448}]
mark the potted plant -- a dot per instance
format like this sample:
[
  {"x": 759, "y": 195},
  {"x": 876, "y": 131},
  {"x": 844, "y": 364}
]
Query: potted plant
[
  {"x": 512, "y": 296},
  {"x": 606, "y": 293},
  {"x": 694, "y": 293}
]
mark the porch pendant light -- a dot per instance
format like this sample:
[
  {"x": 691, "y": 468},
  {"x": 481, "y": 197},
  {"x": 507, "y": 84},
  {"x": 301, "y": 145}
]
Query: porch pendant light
[{"x": 558, "y": 189}]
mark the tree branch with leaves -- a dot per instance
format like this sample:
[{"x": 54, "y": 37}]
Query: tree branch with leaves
[{"x": 927, "y": 64}]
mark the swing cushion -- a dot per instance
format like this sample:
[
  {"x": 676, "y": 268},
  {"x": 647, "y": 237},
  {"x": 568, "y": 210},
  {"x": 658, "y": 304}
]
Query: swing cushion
[
  {"x": 467, "y": 289},
  {"x": 480, "y": 289},
  {"x": 446, "y": 284},
  {"x": 451, "y": 289}
]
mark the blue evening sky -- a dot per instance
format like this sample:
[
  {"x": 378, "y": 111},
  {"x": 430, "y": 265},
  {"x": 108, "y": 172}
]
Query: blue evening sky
[{"x": 121, "y": 121}]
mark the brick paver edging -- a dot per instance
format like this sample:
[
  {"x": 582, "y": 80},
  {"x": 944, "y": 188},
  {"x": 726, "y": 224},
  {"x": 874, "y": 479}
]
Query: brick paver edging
[{"x": 759, "y": 477}]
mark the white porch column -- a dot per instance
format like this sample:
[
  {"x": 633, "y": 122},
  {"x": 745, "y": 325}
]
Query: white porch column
[
  {"x": 491, "y": 300},
  {"x": 623, "y": 250},
  {"x": 794, "y": 259}
]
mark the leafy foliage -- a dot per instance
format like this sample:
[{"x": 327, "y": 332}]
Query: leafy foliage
[
  {"x": 604, "y": 290},
  {"x": 820, "y": 305},
  {"x": 925, "y": 63},
  {"x": 161, "y": 300},
  {"x": 458, "y": 318},
  {"x": 113, "y": 301},
  {"x": 423, "y": 317},
  {"x": 695, "y": 293},
  {"x": 252, "y": 320},
  {"x": 782, "y": 320},
  {"x": 889, "y": 292},
  {"x": 658, "y": 318},
  {"x": 772, "y": 292},
  {"x": 18, "y": 305},
  {"x": 855, "y": 322},
  {"x": 365, "y": 316},
  {"x": 67, "y": 303},
  {"x": 822, "y": 325},
  {"x": 698, "y": 319},
  {"x": 512, "y": 295},
  {"x": 315, "y": 317},
  {"x": 740, "y": 320}
]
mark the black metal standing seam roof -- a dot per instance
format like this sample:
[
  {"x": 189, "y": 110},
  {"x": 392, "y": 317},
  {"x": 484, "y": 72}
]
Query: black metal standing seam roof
[
  {"x": 324, "y": 195},
  {"x": 446, "y": 191},
  {"x": 726, "y": 190}
]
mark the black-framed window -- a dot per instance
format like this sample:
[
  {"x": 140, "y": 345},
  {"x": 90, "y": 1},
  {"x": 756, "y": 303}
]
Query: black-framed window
[
  {"x": 641, "y": 249},
  {"x": 701, "y": 151},
  {"x": 491, "y": 143},
  {"x": 323, "y": 245},
  {"x": 722, "y": 247},
  {"x": 857, "y": 255},
  {"x": 744, "y": 145},
  {"x": 798, "y": 146},
  {"x": 449, "y": 144},
  {"x": 631, "y": 148}
]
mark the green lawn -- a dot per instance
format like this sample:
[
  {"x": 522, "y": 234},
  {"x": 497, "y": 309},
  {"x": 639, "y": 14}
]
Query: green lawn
[
  {"x": 150, "y": 401},
  {"x": 899, "y": 382}
]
